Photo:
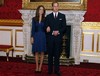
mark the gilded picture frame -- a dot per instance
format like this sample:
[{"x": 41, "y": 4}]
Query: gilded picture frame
[
  {"x": 1, "y": 2},
  {"x": 82, "y": 5}
]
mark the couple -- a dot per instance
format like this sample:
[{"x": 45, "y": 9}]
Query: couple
[{"x": 48, "y": 31}]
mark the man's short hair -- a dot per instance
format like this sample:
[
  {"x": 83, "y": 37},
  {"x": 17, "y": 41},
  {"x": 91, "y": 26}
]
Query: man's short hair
[{"x": 54, "y": 3}]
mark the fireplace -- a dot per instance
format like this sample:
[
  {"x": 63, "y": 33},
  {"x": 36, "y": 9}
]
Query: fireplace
[{"x": 73, "y": 18}]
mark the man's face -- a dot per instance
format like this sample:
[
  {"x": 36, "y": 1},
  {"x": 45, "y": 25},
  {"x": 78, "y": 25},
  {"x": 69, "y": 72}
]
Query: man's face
[{"x": 55, "y": 7}]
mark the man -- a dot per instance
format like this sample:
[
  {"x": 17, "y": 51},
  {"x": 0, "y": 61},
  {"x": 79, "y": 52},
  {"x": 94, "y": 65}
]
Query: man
[{"x": 55, "y": 28}]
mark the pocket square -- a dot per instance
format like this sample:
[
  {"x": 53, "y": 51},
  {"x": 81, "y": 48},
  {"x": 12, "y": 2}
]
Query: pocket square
[{"x": 60, "y": 19}]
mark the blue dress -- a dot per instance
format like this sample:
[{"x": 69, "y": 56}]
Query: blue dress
[{"x": 39, "y": 36}]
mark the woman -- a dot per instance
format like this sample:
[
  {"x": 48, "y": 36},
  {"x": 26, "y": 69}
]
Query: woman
[{"x": 38, "y": 38}]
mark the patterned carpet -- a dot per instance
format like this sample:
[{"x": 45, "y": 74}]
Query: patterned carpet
[{"x": 16, "y": 67}]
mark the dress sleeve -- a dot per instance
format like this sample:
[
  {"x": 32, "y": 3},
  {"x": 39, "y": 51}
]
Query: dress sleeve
[{"x": 33, "y": 28}]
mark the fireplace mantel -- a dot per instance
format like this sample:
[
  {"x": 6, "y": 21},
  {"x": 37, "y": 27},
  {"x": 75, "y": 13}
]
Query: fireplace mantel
[{"x": 73, "y": 18}]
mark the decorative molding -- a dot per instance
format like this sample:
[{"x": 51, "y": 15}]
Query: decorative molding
[
  {"x": 11, "y": 22},
  {"x": 92, "y": 45},
  {"x": 11, "y": 34},
  {"x": 19, "y": 50},
  {"x": 98, "y": 42},
  {"x": 91, "y": 25},
  {"x": 82, "y": 5},
  {"x": 20, "y": 46},
  {"x": 90, "y": 55}
]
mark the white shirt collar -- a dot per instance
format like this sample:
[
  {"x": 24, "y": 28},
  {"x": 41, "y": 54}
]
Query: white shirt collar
[{"x": 56, "y": 13}]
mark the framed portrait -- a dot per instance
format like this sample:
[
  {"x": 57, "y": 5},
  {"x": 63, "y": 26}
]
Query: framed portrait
[
  {"x": 64, "y": 4},
  {"x": 1, "y": 2}
]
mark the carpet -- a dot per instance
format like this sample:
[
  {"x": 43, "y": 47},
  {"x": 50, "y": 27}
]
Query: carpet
[
  {"x": 13, "y": 68},
  {"x": 17, "y": 67}
]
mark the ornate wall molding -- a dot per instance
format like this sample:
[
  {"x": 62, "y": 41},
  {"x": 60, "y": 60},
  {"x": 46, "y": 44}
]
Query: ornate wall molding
[
  {"x": 91, "y": 25},
  {"x": 11, "y": 22},
  {"x": 10, "y": 37},
  {"x": 18, "y": 38},
  {"x": 82, "y": 5},
  {"x": 90, "y": 42}
]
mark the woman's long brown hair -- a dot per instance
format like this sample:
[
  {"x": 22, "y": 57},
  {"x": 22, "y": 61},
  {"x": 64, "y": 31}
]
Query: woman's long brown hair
[{"x": 37, "y": 13}]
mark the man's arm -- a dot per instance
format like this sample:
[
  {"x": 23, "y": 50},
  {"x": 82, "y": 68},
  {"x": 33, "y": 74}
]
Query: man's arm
[
  {"x": 63, "y": 29},
  {"x": 47, "y": 27}
]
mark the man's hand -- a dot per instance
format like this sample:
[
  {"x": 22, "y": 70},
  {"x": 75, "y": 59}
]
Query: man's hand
[
  {"x": 48, "y": 29},
  {"x": 55, "y": 33}
]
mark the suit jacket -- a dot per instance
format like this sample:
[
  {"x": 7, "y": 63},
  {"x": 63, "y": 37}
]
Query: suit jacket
[{"x": 56, "y": 24}]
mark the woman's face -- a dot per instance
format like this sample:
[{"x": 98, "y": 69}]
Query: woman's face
[{"x": 41, "y": 10}]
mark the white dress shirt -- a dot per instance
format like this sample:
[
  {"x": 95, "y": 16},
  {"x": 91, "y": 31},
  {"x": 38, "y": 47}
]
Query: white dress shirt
[{"x": 55, "y": 13}]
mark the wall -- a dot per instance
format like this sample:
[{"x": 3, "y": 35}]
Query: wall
[
  {"x": 12, "y": 35},
  {"x": 93, "y": 11},
  {"x": 10, "y": 10},
  {"x": 90, "y": 42},
  {"x": 11, "y": 32}
]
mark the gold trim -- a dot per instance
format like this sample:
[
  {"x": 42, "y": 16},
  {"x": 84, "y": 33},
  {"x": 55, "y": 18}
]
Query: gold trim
[
  {"x": 92, "y": 42},
  {"x": 98, "y": 40},
  {"x": 7, "y": 50},
  {"x": 98, "y": 56},
  {"x": 1, "y": 2},
  {"x": 11, "y": 34},
  {"x": 91, "y": 25},
  {"x": 19, "y": 50},
  {"x": 16, "y": 39},
  {"x": 11, "y": 22},
  {"x": 82, "y": 5}
]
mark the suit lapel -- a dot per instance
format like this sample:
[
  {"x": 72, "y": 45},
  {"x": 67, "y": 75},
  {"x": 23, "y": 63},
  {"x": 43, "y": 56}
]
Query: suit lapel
[
  {"x": 52, "y": 15},
  {"x": 55, "y": 19}
]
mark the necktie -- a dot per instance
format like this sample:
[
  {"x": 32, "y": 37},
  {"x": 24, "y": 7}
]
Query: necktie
[{"x": 55, "y": 15}]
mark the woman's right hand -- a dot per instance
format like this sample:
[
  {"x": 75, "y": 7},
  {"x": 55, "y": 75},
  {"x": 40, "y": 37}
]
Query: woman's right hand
[
  {"x": 32, "y": 40},
  {"x": 48, "y": 29}
]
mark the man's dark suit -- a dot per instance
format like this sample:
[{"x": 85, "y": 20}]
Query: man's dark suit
[{"x": 54, "y": 42}]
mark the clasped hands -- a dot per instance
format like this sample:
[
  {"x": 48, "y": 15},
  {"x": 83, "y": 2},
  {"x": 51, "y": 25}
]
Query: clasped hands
[{"x": 55, "y": 33}]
